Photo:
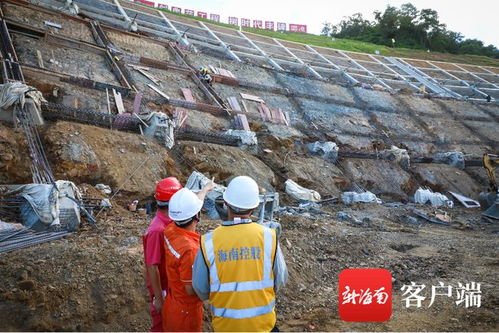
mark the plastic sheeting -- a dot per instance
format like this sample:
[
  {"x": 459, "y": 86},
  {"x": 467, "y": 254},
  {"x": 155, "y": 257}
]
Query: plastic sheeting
[
  {"x": 327, "y": 150},
  {"x": 436, "y": 199},
  {"x": 17, "y": 93},
  {"x": 398, "y": 155},
  {"x": 247, "y": 137},
  {"x": 44, "y": 202},
  {"x": 452, "y": 158},
  {"x": 160, "y": 127},
  {"x": 301, "y": 193},
  {"x": 353, "y": 197}
]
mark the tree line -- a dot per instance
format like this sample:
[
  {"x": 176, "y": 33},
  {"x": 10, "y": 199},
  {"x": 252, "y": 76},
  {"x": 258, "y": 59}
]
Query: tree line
[{"x": 410, "y": 28}]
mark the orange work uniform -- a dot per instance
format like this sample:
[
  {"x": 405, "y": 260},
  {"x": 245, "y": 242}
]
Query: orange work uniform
[{"x": 181, "y": 312}]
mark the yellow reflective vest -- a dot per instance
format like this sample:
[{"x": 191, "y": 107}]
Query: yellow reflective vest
[{"x": 240, "y": 260}]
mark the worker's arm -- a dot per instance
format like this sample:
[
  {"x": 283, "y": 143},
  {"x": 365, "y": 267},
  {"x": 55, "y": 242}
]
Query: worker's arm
[
  {"x": 200, "y": 281},
  {"x": 202, "y": 194},
  {"x": 186, "y": 266},
  {"x": 155, "y": 280},
  {"x": 189, "y": 290},
  {"x": 280, "y": 269},
  {"x": 153, "y": 253}
]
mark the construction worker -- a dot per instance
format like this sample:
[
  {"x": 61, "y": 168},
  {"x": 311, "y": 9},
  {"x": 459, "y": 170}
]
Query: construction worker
[
  {"x": 240, "y": 265},
  {"x": 153, "y": 244},
  {"x": 208, "y": 79},
  {"x": 182, "y": 309},
  {"x": 203, "y": 70}
]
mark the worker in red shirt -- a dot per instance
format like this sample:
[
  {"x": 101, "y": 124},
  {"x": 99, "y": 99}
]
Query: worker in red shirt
[
  {"x": 182, "y": 308},
  {"x": 154, "y": 252}
]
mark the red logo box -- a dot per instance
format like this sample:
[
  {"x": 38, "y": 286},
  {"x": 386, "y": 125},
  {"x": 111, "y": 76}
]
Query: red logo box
[{"x": 365, "y": 294}]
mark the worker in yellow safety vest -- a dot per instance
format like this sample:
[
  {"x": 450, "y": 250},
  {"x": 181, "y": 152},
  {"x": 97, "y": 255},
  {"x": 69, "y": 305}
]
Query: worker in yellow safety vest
[
  {"x": 203, "y": 70},
  {"x": 240, "y": 265}
]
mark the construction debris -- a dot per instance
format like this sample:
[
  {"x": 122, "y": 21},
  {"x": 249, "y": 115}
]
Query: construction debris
[
  {"x": 247, "y": 137},
  {"x": 327, "y": 150},
  {"x": 17, "y": 93},
  {"x": 252, "y": 98},
  {"x": 300, "y": 193},
  {"x": 17, "y": 239},
  {"x": 159, "y": 127},
  {"x": 104, "y": 189},
  {"x": 436, "y": 199},
  {"x": 158, "y": 91},
  {"x": 308, "y": 210},
  {"x": 428, "y": 218},
  {"x": 465, "y": 201},
  {"x": 453, "y": 158},
  {"x": 349, "y": 198},
  {"x": 47, "y": 205},
  {"x": 397, "y": 155}
]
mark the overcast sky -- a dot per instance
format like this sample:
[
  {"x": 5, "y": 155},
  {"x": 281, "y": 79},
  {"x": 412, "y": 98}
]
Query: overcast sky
[{"x": 474, "y": 19}]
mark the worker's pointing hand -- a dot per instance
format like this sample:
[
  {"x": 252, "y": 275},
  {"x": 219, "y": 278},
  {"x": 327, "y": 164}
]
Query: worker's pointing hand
[{"x": 210, "y": 186}]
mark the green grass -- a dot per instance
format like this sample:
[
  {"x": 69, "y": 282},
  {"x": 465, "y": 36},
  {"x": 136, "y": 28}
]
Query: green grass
[{"x": 357, "y": 46}]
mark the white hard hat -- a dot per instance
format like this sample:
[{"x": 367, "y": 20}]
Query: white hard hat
[
  {"x": 183, "y": 205},
  {"x": 242, "y": 193}
]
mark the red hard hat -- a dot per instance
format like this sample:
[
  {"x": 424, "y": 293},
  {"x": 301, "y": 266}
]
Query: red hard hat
[{"x": 166, "y": 188}]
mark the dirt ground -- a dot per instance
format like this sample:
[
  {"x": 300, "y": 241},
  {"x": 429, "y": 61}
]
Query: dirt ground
[{"x": 93, "y": 280}]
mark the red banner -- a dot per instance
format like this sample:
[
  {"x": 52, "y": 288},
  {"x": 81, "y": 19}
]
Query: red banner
[
  {"x": 189, "y": 12},
  {"x": 176, "y": 9},
  {"x": 203, "y": 14},
  {"x": 298, "y": 28},
  {"x": 245, "y": 22},
  {"x": 269, "y": 25},
  {"x": 145, "y": 2},
  {"x": 215, "y": 17},
  {"x": 233, "y": 20},
  {"x": 162, "y": 5},
  {"x": 257, "y": 24},
  {"x": 281, "y": 26}
]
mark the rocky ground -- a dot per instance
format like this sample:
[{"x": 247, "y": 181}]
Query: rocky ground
[{"x": 93, "y": 280}]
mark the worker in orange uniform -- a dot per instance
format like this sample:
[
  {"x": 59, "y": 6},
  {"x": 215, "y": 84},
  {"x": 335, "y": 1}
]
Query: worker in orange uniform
[
  {"x": 240, "y": 265},
  {"x": 182, "y": 309},
  {"x": 154, "y": 253}
]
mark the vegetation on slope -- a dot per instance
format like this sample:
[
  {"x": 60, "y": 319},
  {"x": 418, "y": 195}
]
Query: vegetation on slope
[{"x": 357, "y": 45}]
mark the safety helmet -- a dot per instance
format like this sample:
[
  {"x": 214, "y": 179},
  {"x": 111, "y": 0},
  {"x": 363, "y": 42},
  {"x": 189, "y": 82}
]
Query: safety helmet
[
  {"x": 184, "y": 205},
  {"x": 166, "y": 188},
  {"x": 242, "y": 193}
]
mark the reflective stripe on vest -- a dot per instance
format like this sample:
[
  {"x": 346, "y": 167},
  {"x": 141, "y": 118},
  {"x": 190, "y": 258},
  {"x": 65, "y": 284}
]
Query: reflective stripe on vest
[
  {"x": 266, "y": 282},
  {"x": 243, "y": 313},
  {"x": 170, "y": 247}
]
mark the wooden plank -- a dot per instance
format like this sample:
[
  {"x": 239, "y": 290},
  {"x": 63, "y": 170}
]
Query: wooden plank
[
  {"x": 118, "y": 101},
  {"x": 234, "y": 104},
  {"x": 136, "y": 102},
  {"x": 39, "y": 59},
  {"x": 188, "y": 95},
  {"x": 149, "y": 76},
  {"x": 244, "y": 122},
  {"x": 252, "y": 98},
  {"x": 179, "y": 116},
  {"x": 266, "y": 110},
  {"x": 286, "y": 117},
  {"x": 213, "y": 69},
  {"x": 245, "y": 107},
  {"x": 158, "y": 91}
]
